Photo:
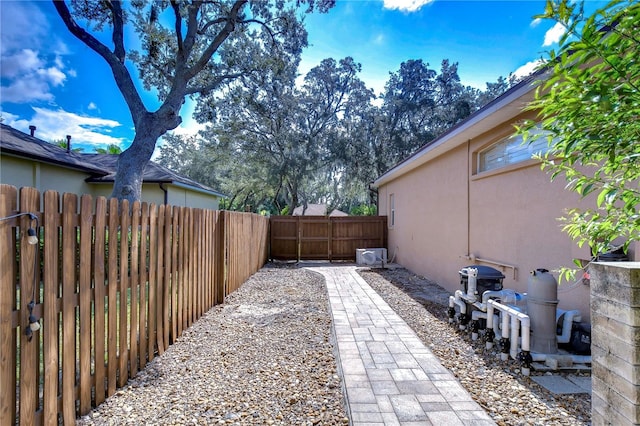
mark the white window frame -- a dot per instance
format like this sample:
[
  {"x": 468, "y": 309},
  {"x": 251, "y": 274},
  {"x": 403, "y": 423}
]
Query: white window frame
[
  {"x": 510, "y": 150},
  {"x": 392, "y": 210}
]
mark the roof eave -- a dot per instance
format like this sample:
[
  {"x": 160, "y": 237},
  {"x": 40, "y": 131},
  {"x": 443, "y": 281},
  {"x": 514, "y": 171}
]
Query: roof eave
[
  {"x": 462, "y": 132},
  {"x": 48, "y": 160}
]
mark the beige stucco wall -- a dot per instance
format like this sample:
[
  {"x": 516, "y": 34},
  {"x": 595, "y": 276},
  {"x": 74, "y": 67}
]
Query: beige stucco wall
[
  {"x": 151, "y": 193},
  {"x": 183, "y": 197},
  {"x": 445, "y": 212},
  {"x": 21, "y": 172}
]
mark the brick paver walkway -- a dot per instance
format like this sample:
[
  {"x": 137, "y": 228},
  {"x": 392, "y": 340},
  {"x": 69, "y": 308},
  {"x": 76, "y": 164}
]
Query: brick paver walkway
[{"x": 389, "y": 376}]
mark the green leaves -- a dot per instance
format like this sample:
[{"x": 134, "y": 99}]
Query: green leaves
[{"x": 590, "y": 103}]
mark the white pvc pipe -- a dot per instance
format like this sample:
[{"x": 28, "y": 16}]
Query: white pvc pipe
[
  {"x": 498, "y": 294},
  {"x": 576, "y": 359},
  {"x": 567, "y": 324},
  {"x": 456, "y": 300},
  {"x": 472, "y": 284},
  {"x": 510, "y": 319},
  {"x": 516, "y": 316},
  {"x": 475, "y": 316},
  {"x": 490, "y": 324}
]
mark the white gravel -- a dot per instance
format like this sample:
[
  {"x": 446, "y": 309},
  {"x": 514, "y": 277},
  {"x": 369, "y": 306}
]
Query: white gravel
[{"x": 263, "y": 357}]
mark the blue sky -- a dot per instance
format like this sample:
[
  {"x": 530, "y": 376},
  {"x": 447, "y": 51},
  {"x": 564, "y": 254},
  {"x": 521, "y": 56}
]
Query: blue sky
[{"x": 51, "y": 80}]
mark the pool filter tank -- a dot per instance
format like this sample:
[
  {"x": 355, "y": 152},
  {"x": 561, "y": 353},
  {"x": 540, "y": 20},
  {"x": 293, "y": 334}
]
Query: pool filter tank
[{"x": 542, "y": 300}]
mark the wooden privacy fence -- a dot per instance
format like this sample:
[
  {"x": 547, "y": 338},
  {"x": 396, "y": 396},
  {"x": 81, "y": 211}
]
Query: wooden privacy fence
[
  {"x": 110, "y": 286},
  {"x": 325, "y": 237}
]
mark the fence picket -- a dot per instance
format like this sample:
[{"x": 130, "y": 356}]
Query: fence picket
[
  {"x": 153, "y": 259},
  {"x": 84, "y": 288},
  {"x": 50, "y": 321},
  {"x": 175, "y": 285},
  {"x": 112, "y": 295},
  {"x": 123, "y": 331},
  {"x": 69, "y": 235},
  {"x": 134, "y": 304},
  {"x": 166, "y": 287},
  {"x": 99, "y": 299},
  {"x": 29, "y": 286},
  {"x": 181, "y": 272},
  {"x": 188, "y": 269},
  {"x": 198, "y": 264},
  {"x": 160, "y": 280},
  {"x": 144, "y": 264},
  {"x": 8, "y": 199}
]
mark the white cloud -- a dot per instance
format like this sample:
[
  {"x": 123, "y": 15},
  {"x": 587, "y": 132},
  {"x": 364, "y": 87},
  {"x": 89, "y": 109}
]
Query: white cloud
[
  {"x": 29, "y": 71},
  {"x": 535, "y": 22},
  {"x": 52, "y": 75},
  {"x": 92, "y": 106},
  {"x": 56, "y": 124},
  {"x": 553, "y": 34},
  {"x": 8, "y": 117},
  {"x": 25, "y": 60},
  {"x": 26, "y": 90},
  {"x": 379, "y": 39},
  {"x": 23, "y": 24},
  {"x": 527, "y": 68},
  {"x": 406, "y": 5}
]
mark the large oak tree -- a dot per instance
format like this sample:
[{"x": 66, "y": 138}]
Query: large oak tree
[{"x": 187, "y": 48}]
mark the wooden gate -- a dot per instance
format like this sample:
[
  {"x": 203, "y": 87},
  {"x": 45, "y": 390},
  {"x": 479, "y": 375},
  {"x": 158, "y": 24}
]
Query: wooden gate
[{"x": 325, "y": 237}]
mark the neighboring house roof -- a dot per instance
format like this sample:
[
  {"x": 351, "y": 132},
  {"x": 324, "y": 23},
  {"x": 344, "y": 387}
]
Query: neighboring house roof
[
  {"x": 100, "y": 167},
  {"x": 337, "y": 212},
  {"x": 312, "y": 210},
  {"x": 504, "y": 107},
  {"x": 19, "y": 144},
  {"x": 153, "y": 173}
]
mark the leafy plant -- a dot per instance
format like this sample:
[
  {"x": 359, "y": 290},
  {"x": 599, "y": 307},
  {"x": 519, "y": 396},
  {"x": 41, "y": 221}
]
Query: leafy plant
[{"x": 589, "y": 104}]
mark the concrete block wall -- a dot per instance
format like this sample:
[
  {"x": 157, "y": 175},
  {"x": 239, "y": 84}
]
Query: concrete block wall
[{"x": 615, "y": 343}]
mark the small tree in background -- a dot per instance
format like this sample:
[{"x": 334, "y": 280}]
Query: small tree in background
[
  {"x": 589, "y": 109},
  {"x": 112, "y": 149}
]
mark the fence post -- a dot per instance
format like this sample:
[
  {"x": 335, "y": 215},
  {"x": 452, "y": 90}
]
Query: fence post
[{"x": 615, "y": 347}]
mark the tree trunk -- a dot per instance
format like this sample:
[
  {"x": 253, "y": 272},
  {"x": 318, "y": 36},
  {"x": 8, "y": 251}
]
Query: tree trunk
[
  {"x": 131, "y": 165},
  {"x": 132, "y": 162}
]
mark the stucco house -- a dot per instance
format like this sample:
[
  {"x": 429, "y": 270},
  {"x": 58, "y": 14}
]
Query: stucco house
[
  {"x": 26, "y": 160},
  {"x": 475, "y": 196}
]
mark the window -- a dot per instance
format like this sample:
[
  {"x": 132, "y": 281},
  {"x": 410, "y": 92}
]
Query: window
[
  {"x": 392, "y": 210},
  {"x": 510, "y": 150}
]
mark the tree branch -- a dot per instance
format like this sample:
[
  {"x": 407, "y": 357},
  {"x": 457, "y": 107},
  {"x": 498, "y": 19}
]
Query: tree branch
[
  {"x": 120, "y": 72},
  {"x": 178, "y": 25},
  {"x": 211, "y": 86},
  {"x": 218, "y": 40},
  {"x": 118, "y": 29}
]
